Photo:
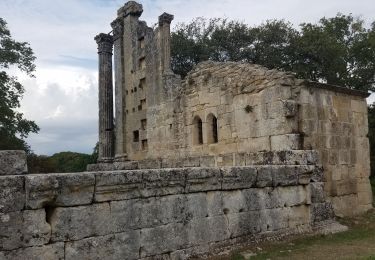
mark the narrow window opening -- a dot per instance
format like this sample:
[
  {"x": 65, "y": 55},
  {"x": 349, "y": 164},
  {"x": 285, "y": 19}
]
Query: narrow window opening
[
  {"x": 197, "y": 131},
  {"x": 214, "y": 129},
  {"x": 136, "y": 136},
  {"x": 142, "y": 83},
  {"x": 212, "y": 135},
  {"x": 144, "y": 144}
]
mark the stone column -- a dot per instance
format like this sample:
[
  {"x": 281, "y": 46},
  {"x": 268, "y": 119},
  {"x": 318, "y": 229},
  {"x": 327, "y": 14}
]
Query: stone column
[
  {"x": 120, "y": 145},
  {"x": 165, "y": 32},
  {"x": 106, "y": 136}
]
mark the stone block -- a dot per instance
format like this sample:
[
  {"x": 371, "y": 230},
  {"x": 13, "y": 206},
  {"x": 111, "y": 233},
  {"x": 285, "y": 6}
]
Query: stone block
[
  {"x": 317, "y": 174},
  {"x": 234, "y": 201},
  {"x": 299, "y": 215},
  {"x": 317, "y": 192},
  {"x": 191, "y": 162},
  {"x": 206, "y": 230},
  {"x": 149, "y": 212},
  {"x": 273, "y": 219},
  {"x": 293, "y": 195},
  {"x": 49, "y": 252},
  {"x": 290, "y": 108},
  {"x": 244, "y": 223},
  {"x": 365, "y": 198},
  {"x": 264, "y": 176},
  {"x": 321, "y": 211},
  {"x": 162, "y": 182},
  {"x": 127, "y": 214},
  {"x": 284, "y": 175},
  {"x": 12, "y": 193},
  {"x": 162, "y": 239},
  {"x": 13, "y": 162},
  {"x": 197, "y": 205},
  {"x": 359, "y": 106},
  {"x": 238, "y": 177},
  {"x": 345, "y": 205},
  {"x": 203, "y": 179},
  {"x": 60, "y": 189},
  {"x": 118, "y": 185},
  {"x": 285, "y": 142},
  {"x": 214, "y": 201},
  {"x": 23, "y": 229},
  {"x": 74, "y": 223},
  {"x": 149, "y": 164},
  {"x": 207, "y": 161},
  {"x": 114, "y": 246},
  {"x": 259, "y": 199},
  {"x": 344, "y": 187}
]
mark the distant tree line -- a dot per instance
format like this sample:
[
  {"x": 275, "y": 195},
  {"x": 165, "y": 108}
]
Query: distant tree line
[{"x": 60, "y": 162}]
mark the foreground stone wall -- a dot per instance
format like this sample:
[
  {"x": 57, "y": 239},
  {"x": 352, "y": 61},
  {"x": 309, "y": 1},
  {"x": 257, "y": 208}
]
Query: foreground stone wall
[
  {"x": 335, "y": 124},
  {"x": 171, "y": 213}
]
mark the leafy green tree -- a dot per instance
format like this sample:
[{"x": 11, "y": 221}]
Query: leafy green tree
[
  {"x": 338, "y": 50},
  {"x": 59, "y": 162},
  {"x": 14, "y": 128}
]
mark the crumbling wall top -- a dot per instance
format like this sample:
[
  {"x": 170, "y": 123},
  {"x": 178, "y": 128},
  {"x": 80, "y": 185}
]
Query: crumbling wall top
[{"x": 130, "y": 8}]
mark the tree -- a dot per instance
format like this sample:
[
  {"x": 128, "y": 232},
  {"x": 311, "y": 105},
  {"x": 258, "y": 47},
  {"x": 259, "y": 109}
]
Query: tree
[
  {"x": 14, "y": 128},
  {"x": 338, "y": 50}
]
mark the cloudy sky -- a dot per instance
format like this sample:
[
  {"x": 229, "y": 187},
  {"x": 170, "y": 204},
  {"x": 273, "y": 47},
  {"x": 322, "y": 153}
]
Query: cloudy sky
[{"x": 62, "y": 98}]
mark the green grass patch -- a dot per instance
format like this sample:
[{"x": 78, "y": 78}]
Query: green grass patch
[{"x": 362, "y": 230}]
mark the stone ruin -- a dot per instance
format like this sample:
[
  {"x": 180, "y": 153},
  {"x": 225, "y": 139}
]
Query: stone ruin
[{"x": 231, "y": 155}]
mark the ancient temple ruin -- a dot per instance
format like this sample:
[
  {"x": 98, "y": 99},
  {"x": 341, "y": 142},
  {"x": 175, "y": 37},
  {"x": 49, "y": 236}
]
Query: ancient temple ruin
[
  {"x": 231, "y": 155},
  {"x": 223, "y": 112}
]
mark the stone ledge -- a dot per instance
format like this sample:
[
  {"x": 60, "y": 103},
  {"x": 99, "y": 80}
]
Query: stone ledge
[
  {"x": 13, "y": 162},
  {"x": 281, "y": 157}
]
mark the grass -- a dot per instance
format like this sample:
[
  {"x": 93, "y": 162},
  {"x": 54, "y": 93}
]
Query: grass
[{"x": 356, "y": 243}]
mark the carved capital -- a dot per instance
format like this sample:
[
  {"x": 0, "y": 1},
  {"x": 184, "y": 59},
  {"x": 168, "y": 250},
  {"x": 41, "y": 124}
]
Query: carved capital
[
  {"x": 118, "y": 28},
  {"x": 105, "y": 43},
  {"x": 130, "y": 8},
  {"x": 165, "y": 19}
]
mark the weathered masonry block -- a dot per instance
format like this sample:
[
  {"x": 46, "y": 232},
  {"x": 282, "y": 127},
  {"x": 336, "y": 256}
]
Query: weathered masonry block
[
  {"x": 175, "y": 213},
  {"x": 223, "y": 111}
]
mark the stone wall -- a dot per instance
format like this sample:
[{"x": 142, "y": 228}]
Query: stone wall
[
  {"x": 335, "y": 124},
  {"x": 173, "y": 213}
]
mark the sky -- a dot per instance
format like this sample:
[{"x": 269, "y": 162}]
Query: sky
[{"x": 62, "y": 98}]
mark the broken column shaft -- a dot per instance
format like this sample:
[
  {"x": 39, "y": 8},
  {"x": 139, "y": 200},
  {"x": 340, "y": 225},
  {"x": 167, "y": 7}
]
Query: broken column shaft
[{"x": 106, "y": 135}]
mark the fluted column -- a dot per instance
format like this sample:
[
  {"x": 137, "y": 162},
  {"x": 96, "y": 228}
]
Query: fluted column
[
  {"x": 106, "y": 135},
  {"x": 120, "y": 145},
  {"x": 165, "y": 29}
]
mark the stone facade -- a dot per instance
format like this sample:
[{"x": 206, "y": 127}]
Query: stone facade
[
  {"x": 165, "y": 213},
  {"x": 224, "y": 111}
]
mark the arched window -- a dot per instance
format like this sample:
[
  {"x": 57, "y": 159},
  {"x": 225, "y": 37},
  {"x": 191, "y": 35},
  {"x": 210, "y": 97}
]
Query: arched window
[
  {"x": 212, "y": 136},
  {"x": 197, "y": 131}
]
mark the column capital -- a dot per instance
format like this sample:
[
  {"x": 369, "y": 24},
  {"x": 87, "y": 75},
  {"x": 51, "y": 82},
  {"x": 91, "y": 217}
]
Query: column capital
[
  {"x": 117, "y": 27},
  {"x": 165, "y": 18},
  {"x": 130, "y": 8},
  {"x": 105, "y": 43}
]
